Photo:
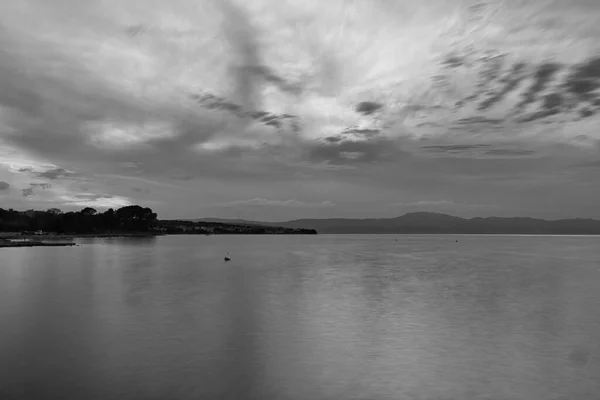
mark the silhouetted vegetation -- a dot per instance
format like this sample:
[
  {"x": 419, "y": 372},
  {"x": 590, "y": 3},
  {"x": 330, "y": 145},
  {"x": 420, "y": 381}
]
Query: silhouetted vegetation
[
  {"x": 218, "y": 228},
  {"x": 125, "y": 220},
  {"x": 88, "y": 220}
]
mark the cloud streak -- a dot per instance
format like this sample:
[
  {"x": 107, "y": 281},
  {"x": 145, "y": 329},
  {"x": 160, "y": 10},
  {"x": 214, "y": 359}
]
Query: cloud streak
[{"x": 259, "y": 202}]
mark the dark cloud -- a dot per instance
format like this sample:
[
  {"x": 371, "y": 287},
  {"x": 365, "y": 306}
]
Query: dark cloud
[
  {"x": 479, "y": 120},
  {"x": 579, "y": 86},
  {"x": 368, "y": 107},
  {"x": 553, "y": 101},
  {"x": 30, "y": 190},
  {"x": 333, "y": 139},
  {"x": 586, "y": 112},
  {"x": 541, "y": 77},
  {"x": 453, "y": 61},
  {"x": 510, "y": 82},
  {"x": 584, "y": 79},
  {"x": 427, "y": 124},
  {"x": 55, "y": 173},
  {"x": 4, "y": 186},
  {"x": 243, "y": 39},
  {"x": 278, "y": 121},
  {"x": 534, "y": 116}
]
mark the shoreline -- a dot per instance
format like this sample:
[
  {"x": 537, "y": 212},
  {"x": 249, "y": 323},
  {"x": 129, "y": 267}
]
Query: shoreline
[
  {"x": 35, "y": 244},
  {"x": 38, "y": 238},
  {"x": 76, "y": 236}
]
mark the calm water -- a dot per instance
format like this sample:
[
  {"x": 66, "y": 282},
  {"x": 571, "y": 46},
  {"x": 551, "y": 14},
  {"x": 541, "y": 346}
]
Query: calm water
[{"x": 302, "y": 317}]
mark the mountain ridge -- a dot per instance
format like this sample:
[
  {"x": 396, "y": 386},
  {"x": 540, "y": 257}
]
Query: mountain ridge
[{"x": 433, "y": 223}]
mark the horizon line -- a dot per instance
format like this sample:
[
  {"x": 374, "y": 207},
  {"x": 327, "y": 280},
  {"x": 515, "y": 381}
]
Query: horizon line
[{"x": 379, "y": 218}]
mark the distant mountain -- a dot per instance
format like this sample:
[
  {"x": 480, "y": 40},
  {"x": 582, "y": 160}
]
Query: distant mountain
[{"x": 435, "y": 223}]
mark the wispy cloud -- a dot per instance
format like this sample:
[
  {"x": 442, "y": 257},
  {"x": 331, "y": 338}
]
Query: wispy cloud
[
  {"x": 278, "y": 203},
  {"x": 424, "y": 204}
]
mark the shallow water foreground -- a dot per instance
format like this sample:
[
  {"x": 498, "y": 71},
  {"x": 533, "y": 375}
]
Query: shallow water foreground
[{"x": 302, "y": 317}]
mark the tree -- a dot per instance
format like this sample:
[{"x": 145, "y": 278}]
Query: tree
[
  {"x": 88, "y": 220},
  {"x": 89, "y": 211},
  {"x": 136, "y": 217}
]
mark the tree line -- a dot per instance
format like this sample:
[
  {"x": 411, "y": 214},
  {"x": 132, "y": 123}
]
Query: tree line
[{"x": 132, "y": 218}]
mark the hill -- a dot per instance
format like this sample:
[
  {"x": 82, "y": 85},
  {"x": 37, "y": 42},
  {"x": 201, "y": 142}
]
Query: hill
[{"x": 436, "y": 223}]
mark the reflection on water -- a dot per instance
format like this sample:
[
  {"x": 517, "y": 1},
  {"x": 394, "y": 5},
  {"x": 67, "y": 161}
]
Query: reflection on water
[{"x": 327, "y": 317}]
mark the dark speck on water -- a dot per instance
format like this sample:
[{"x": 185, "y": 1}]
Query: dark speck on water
[{"x": 303, "y": 317}]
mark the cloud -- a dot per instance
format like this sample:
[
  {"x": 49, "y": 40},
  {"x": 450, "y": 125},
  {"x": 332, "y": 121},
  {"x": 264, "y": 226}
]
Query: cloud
[
  {"x": 589, "y": 164},
  {"x": 140, "y": 190},
  {"x": 4, "y": 186},
  {"x": 176, "y": 81},
  {"x": 478, "y": 151},
  {"x": 53, "y": 173},
  {"x": 368, "y": 107},
  {"x": 43, "y": 186},
  {"x": 541, "y": 78},
  {"x": 197, "y": 98},
  {"x": 278, "y": 203},
  {"x": 424, "y": 204},
  {"x": 456, "y": 147},
  {"x": 93, "y": 197},
  {"x": 95, "y": 200}
]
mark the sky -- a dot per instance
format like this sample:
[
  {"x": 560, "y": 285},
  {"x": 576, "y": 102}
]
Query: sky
[{"x": 282, "y": 109}]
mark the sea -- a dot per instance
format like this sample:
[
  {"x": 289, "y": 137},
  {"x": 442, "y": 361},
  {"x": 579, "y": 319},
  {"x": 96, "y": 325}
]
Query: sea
[{"x": 305, "y": 317}]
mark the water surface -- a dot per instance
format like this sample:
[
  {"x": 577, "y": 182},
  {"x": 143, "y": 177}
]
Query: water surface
[{"x": 302, "y": 317}]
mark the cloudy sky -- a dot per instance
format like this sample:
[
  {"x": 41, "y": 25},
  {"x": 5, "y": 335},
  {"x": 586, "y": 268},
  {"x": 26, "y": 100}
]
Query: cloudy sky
[{"x": 282, "y": 109}]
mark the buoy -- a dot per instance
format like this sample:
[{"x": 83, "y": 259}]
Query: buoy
[{"x": 227, "y": 258}]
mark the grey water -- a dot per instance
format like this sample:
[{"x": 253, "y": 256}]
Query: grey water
[{"x": 302, "y": 317}]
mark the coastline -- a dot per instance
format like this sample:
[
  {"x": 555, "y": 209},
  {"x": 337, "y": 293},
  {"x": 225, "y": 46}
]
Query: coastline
[
  {"x": 35, "y": 244},
  {"x": 17, "y": 236},
  {"x": 15, "y": 239}
]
